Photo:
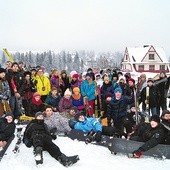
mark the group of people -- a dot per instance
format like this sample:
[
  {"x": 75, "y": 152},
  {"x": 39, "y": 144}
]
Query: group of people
[{"x": 57, "y": 102}]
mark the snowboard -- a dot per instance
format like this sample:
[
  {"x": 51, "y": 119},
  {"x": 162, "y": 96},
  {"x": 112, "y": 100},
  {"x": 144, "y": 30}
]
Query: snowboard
[
  {"x": 3, "y": 151},
  {"x": 119, "y": 145},
  {"x": 82, "y": 136}
]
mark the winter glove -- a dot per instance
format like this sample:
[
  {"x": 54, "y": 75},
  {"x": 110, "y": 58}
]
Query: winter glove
[
  {"x": 54, "y": 133},
  {"x": 137, "y": 153},
  {"x": 98, "y": 136}
]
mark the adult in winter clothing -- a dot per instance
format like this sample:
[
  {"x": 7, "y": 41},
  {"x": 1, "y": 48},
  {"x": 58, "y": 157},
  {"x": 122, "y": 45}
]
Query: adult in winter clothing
[
  {"x": 7, "y": 128},
  {"x": 142, "y": 82},
  {"x": 77, "y": 99},
  {"x": 15, "y": 79},
  {"x": 43, "y": 84},
  {"x": 38, "y": 135},
  {"x": 53, "y": 99},
  {"x": 29, "y": 89},
  {"x": 88, "y": 90},
  {"x": 70, "y": 114},
  {"x": 166, "y": 123},
  {"x": 36, "y": 104},
  {"x": 65, "y": 81},
  {"x": 5, "y": 93},
  {"x": 55, "y": 122},
  {"x": 154, "y": 97},
  {"x": 75, "y": 81},
  {"x": 117, "y": 110},
  {"x": 163, "y": 88},
  {"x": 55, "y": 79},
  {"x": 151, "y": 133},
  {"x": 87, "y": 125},
  {"x": 66, "y": 102},
  {"x": 105, "y": 89}
]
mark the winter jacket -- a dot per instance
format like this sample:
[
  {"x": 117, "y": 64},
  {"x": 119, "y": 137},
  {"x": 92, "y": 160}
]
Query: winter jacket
[
  {"x": 5, "y": 92},
  {"x": 76, "y": 83},
  {"x": 117, "y": 109},
  {"x": 35, "y": 107},
  {"x": 6, "y": 129},
  {"x": 106, "y": 88},
  {"x": 79, "y": 103},
  {"x": 34, "y": 128},
  {"x": 88, "y": 125},
  {"x": 65, "y": 104},
  {"x": 57, "y": 121},
  {"x": 55, "y": 81},
  {"x": 88, "y": 90},
  {"x": 151, "y": 136},
  {"x": 43, "y": 85},
  {"x": 15, "y": 80},
  {"x": 154, "y": 96},
  {"x": 53, "y": 101}
]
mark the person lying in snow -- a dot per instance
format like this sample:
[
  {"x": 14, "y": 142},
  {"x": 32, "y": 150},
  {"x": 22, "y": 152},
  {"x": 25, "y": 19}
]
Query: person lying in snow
[
  {"x": 37, "y": 135},
  {"x": 7, "y": 129},
  {"x": 93, "y": 127},
  {"x": 151, "y": 133}
]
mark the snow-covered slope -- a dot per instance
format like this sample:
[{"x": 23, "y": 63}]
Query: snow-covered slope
[{"x": 92, "y": 157}]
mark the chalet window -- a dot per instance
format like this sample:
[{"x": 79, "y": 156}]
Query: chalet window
[
  {"x": 126, "y": 57},
  {"x": 141, "y": 67},
  {"x": 151, "y": 67},
  {"x": 162, "y": 67},
  {"x": 151, "y": 57}
]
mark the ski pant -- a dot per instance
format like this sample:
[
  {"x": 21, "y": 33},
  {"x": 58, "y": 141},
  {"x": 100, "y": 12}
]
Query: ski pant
[
  {"x": 110, "y": 131},
  {"x": 92, "y": 108},
  {"x": 14, "y": 104},
  {"x": 124, "y": 122},
  {"x": 45, "y": 141}
]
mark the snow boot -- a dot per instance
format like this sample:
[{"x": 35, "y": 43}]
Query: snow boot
[
  {"x": 38, "y": 155},
  {"x": 67, "y": 160}
]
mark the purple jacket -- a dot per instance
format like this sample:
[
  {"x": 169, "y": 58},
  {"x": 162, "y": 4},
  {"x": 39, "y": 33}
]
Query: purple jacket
[{"x": 65, "y": 104}]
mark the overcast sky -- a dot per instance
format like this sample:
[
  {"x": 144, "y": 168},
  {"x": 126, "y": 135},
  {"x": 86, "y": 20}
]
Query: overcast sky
[{"x": 99, "y": 25}]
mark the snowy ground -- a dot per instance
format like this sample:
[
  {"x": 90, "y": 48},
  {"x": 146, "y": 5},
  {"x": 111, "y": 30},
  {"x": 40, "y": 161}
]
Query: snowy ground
[{"x": 92, "y": 157}]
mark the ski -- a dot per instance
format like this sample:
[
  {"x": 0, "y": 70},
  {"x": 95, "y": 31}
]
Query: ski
[
  {"x": 20, "y": 134},
  {"x": 3, "y": 151},
  {"x": 147, "y": 105},
  {"x": 136, "y": 107}
]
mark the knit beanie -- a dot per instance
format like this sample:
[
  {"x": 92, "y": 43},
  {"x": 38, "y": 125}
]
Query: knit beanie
[
  {"x": 76, "y": 89},
  {"x": 9, "y": 114},
  {"x": 36, "y": 94},
  {"x": 88, "y": 75},
  {"x": 38, "y": 113},
  {"x": 118, "y": 89},
  {"x": 155, "y": 118},
  {"x": 76, "y": 117},
  {"x": 67, "y": 92},
  {"x": 132, "y": 80},
  {"x": 2, "y": 70},
  {"x": 75, "y": 76}
]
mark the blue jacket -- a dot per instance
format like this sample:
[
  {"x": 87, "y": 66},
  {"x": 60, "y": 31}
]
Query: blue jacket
[
  {"x": 88, "y": 90},
  {"x": 117, "y": 109},
  {"x": 88, "y": 125}
]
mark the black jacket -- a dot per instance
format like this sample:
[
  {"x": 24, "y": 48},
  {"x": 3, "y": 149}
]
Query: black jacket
[
  {"x": 151, "y": 136},
  {"x": 34, "y": 128},
  {"x": 6, "y": 129}
]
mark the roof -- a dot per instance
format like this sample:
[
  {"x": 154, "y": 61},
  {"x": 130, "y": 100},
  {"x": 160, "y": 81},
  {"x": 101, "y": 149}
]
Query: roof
[{"x": 138, "y": 53}]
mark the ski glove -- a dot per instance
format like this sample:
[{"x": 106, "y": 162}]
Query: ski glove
[{"x": 137, "y": 153}]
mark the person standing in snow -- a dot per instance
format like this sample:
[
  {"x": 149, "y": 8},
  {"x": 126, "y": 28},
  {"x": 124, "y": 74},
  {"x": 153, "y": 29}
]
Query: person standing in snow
[
  {"x": 117, "y": 111},
  {"x": 38, "y": 135}
]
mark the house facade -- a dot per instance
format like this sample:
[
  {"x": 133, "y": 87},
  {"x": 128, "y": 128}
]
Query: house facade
[{"x": 145, "y": 59}]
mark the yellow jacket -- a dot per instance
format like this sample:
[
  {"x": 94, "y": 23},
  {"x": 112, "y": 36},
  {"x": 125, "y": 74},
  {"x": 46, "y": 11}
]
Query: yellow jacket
[{"x": 43, "y": 85}]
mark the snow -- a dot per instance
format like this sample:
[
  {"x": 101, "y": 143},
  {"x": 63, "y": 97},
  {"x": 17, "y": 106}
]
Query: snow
[{"x": 92, "y": 157}]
